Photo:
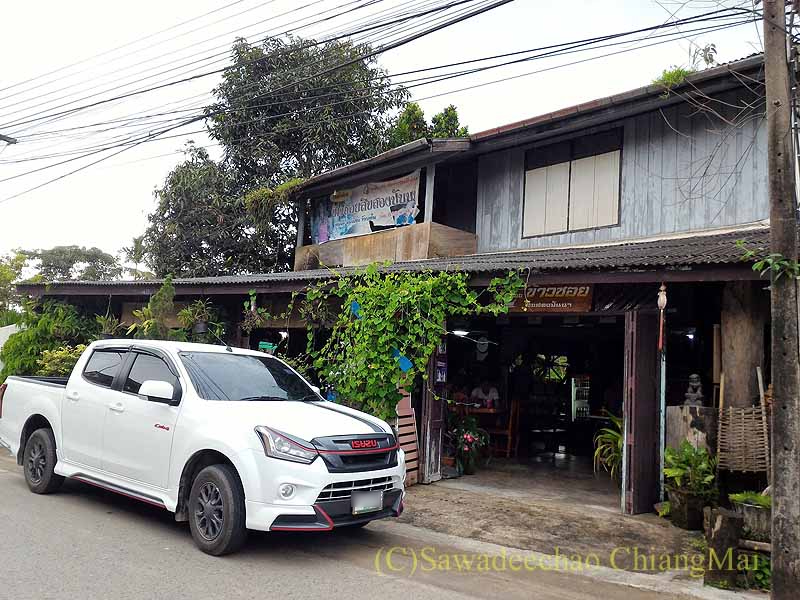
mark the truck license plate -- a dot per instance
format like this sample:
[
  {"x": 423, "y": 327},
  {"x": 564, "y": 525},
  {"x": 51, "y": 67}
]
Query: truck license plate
[{"x": 366, "y": 502}]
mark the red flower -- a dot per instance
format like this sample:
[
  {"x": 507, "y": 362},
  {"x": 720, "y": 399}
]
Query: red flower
[{"x": 466, "y": 448}]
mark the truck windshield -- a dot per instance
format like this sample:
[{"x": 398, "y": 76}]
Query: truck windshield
[{"x": 243, "y": 377}]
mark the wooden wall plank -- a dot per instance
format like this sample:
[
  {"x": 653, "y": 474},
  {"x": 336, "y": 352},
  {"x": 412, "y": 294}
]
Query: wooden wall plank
[
  {"x": 671, "y": 180},
  {"x": 669, "y": 169},
  {"x": 655, "y": 153},
  {"x": 683, "y": 207}
]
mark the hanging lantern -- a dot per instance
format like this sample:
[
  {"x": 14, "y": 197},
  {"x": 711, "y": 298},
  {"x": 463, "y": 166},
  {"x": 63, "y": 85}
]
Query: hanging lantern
[
  {"x": 662, "y": 297},
  {"x": 662, "y": 304}
]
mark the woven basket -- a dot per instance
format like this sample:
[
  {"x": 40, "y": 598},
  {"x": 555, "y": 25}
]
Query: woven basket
[{"x": 743, "y": 439}]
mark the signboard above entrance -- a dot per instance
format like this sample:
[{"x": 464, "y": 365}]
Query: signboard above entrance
[
  {"x": 553, "y": 299},
  {"x": 365, "y": 209}
]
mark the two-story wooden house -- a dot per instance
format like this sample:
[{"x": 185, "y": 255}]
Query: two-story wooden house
[{"x": 601, "y": 206}]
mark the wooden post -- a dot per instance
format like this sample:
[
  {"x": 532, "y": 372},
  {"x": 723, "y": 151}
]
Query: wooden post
[
  {"x": 430, "y": 176},
  {"x": 723, "y": 530},
  {"x": 742, "y": 324},
  {"x": 785, "y": 351},
  {"x": 301, "y": 222}
]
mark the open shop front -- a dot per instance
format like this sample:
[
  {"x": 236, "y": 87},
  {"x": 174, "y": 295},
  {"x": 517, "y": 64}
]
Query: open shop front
[{"x": 539, "y": 383}]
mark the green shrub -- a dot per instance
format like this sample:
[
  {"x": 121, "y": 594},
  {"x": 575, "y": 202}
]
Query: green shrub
[
  {"x": 691, "y": 470},
  {"x": 9, "y": 317},
  {"x": 673, "y": 77},
  {"x": 152, "y": 321},
  {"x": 53, "y": 325},
  {"x": 59, "y": 362},
  {"x": 608, "y": 447}
]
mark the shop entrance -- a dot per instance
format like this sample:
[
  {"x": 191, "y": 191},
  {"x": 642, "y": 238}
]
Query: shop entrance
[{"x": 541, "y": 387}]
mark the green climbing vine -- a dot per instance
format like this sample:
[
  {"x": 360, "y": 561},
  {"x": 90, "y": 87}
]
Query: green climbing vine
[
  {"x": 383, "y": 327},
  {"x": 389, "y": 325},
  {"x": 766, "y": 263}
]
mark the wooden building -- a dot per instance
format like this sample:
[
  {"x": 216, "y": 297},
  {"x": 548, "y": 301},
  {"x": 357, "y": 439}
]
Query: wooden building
[{"x": 599, "y": 205}]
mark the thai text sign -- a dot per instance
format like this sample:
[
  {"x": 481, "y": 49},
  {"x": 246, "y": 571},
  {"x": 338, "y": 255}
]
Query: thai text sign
[
  {"x": 365, "y": 209},
  {"x": 554, "y": 299}
]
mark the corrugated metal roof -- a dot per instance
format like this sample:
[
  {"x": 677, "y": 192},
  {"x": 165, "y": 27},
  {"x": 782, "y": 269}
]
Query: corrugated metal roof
[
  {"x": 647, "y": 91},
  {"x": 717, "y": 248},
  {"x": 487, "y": 140}
]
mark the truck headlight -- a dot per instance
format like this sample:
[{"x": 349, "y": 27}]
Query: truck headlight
[{"x": 285, "y": 447}]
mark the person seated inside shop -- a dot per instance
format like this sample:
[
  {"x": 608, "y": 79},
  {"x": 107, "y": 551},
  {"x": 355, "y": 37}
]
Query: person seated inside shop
[{"x": 485, "y": 394}]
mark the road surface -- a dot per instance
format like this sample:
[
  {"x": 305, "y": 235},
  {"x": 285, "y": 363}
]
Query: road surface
[{"x": 90, "y": 544}]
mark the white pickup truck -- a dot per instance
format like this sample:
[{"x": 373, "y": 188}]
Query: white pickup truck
[{"x": 227, "y": 439}]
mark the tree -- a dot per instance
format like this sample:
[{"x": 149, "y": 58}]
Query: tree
[
  {"x": 286, "y": 109},
  {"x": 136, "y": 254},
  {"x": 446, "y": 125},
  {"x": 10, "y": 271},
  {"x": 200, "y": 229},
  {"x": 62, "y": 263},
  {"x": 410, "y": 125},
  {"x": 284, "y": 112}
]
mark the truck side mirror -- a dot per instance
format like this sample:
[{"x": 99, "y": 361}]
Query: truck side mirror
[{"x": 158, "y": 391}]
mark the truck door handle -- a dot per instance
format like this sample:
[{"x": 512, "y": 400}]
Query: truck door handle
[
  {"x": 117, "y": 407},
  {"x": 73, "y": 395}
]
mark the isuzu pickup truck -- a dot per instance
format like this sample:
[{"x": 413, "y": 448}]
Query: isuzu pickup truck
[{"x": 227, "y": 439}]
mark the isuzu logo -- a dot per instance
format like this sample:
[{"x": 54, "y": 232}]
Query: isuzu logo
[{"x": 363, "y": 444}]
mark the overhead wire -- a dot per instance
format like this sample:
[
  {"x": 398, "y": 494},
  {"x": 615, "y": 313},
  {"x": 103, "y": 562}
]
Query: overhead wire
[
  {"x": 565, "y": 48},
  {"x": 372, "y": 53}
]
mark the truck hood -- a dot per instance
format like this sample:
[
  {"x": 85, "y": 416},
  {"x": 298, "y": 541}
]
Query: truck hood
[{"x": 306, "y": 420}]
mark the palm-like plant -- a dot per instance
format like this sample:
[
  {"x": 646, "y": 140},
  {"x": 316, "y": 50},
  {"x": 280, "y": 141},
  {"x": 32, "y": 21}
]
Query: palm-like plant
[{"x": 608, "y": 447}]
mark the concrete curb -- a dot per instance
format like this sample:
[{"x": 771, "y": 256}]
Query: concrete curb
[{"x": 667, "y": 582}]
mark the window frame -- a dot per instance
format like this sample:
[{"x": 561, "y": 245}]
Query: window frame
[
  {"x": 573, "y": 156},
  {"x": 125, "y": 350},
  {"x": 134, "y": 351}
]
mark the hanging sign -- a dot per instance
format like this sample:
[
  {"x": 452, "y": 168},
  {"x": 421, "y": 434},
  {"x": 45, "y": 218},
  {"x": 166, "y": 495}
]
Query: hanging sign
[
  {"x": 553, "y": 299},
  {"x": 366, "y": 209}
]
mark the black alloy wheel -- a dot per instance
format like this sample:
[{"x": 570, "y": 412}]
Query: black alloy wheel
[
  {"x": 209, "y": 511},
  {"x": 39, "y": 462},
  {"x": 217, "y": 510}
]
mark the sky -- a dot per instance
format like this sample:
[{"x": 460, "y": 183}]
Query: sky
[{"x": 76, "y": 53}]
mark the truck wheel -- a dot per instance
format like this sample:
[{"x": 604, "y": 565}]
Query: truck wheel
[
  {"x": 217, "y": 511},
  {"x": 39, "y": 461}
]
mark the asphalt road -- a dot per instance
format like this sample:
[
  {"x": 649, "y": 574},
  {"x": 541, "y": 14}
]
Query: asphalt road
[{"x": 88, "y": 544}]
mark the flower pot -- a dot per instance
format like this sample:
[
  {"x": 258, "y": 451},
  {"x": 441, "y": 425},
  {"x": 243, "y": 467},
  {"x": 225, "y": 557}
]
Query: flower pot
[
  {"x": 106, "y": 336},
  {"x": 469, "y": 465},
  {"x": 200, "y": 327},
  {"x": 686, "y": 509},
  {"x": 757, "y": 521},
  {"x": 449, "y": 461}
]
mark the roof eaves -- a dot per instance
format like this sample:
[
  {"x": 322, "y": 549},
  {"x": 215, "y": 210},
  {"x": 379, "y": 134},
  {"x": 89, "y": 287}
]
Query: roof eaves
[{"x": 419, "y": 145}]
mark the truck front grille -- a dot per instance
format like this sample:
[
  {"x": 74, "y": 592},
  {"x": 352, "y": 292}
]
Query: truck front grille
[{"x": 342, "y": 490}]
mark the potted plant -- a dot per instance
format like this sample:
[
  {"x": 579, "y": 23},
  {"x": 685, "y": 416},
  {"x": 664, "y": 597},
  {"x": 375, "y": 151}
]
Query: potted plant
[
  {"x": 110, "y": 326},
  {"x": 200, "y": 318},
  {"x": 196, "y": 316},
  {"x": 467, "y": 439},
  {"x": 608, "y": 444},
  {"x": 756, "y": 510},
  {"x": 691, "y": 484}
]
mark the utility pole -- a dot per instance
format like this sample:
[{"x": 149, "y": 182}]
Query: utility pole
[
  {"x": 7, "y": 139},
  {"x": 783, "y": 293}
]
